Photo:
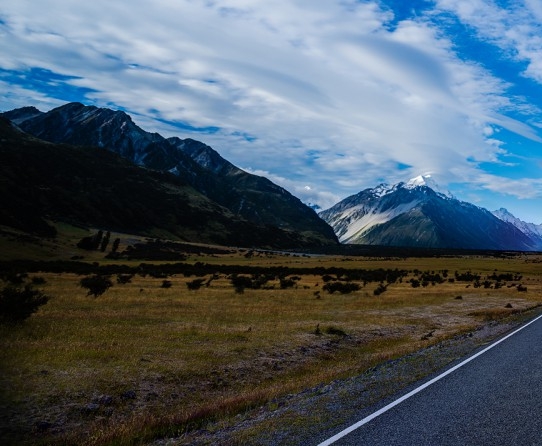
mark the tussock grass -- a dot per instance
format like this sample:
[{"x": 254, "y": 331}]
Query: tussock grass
[{"x": 142, "y": 361}]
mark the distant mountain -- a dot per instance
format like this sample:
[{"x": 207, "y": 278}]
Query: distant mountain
[
  {"x": 530, "y": 229},
  {"x": 251, "y": 197},
  {"x": 414, "y": 214},
  {"x": 42, "y": 182}
]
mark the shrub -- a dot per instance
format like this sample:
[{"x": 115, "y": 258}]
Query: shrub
[
  {"x": 341, "y": 287},
  {"x": 487, "y": 283},
  {"x": 287, "y": 283},
  {"x": 380, "y": 289},
  {"x": 96, "y": 285},
  {"x": 240, "y": 283},
  {"x": 166, "y": 284},
  {"x": 259, "y": 280},
  {"x": 195, "y": 284},
  {"x": 467, "y": 277},
  {"x": 124, "y": 278},
  {"x": 17, "y": 304}
]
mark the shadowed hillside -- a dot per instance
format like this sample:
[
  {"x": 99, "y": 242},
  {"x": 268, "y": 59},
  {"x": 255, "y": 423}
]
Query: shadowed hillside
[{"x": 96, "y": 187}]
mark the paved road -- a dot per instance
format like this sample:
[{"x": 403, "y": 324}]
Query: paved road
[{"x": 494, "y": 399}]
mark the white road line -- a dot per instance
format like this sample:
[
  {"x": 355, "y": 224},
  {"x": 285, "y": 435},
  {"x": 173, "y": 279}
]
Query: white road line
[{"x": 418, "y": 389}]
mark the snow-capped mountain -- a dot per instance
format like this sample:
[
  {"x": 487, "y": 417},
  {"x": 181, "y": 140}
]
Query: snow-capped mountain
[
  {"x": 426, "y": 180},
  {"x": 534, "y": 231},
  {"x": 412, "y": 213}
]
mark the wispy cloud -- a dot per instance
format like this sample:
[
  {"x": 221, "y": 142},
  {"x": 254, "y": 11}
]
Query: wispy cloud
[
  {"x": 516, "y": 29},
  {"x": 331, "y": 95}
]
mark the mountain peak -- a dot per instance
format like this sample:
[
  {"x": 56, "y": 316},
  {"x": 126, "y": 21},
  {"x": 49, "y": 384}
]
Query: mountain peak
[
  {"x": 19, "y": 115},
  {"x": 503, "y": 211},
  {"x": 420, "y": 180},
  {"x": 427, "y": 180}
]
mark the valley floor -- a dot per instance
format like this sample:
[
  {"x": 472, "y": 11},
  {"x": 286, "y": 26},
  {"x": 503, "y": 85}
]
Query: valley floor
[{"x": 221, "y": 347}]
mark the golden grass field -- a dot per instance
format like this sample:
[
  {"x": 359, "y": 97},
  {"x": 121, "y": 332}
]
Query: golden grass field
[{"x": 142, "y": 361}]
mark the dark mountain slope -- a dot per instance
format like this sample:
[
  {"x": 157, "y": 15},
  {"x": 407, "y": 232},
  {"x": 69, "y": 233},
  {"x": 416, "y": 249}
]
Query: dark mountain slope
[
  {"x": 95, "y": 187},
  {"x": 252, "y": 196},
  {"x": 249, "y": 196}
]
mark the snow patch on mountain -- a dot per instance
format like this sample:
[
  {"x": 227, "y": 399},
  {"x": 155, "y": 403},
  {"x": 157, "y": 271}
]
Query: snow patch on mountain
[
  {"x": 382, "y": 189},
  {"x": 369, "y": 219}
]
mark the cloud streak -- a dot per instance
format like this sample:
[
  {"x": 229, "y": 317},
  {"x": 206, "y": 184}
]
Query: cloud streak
[{"x": 336, "y": 96}]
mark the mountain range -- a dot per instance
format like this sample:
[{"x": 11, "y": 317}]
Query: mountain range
[
  {"x": 94, "y": 166},
  {"x": 417, "y": 214},
  {"x": 244, "y": 196}
]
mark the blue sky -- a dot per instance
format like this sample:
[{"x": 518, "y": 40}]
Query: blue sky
[{"x": 324, "y": 97}]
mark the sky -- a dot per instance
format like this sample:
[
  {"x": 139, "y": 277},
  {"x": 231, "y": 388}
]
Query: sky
[{"x": 324, "y": 97}]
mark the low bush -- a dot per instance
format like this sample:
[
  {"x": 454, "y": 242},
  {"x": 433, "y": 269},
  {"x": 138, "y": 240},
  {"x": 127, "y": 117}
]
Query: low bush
[
  {"x": 240, "y": 283},
  {"x": 17, "y": 304},
  {"x": 96, "y": 284},
  {"x": 124, "y": 278},
  {"x": 195, "y": 284},
  {"x": 341, "y": 287},
  {"x": 287, "y": 283}
]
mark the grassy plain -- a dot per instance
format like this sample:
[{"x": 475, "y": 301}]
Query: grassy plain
[{"x": 143, "y": 361}]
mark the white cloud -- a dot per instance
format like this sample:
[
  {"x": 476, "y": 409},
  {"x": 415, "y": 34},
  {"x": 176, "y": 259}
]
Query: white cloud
[
  {"x": 516, "y": 30},
  {"x": 330, "y": 95},
  {"x": 525, "y": 188},
  {"x": 17, "y": 97}
]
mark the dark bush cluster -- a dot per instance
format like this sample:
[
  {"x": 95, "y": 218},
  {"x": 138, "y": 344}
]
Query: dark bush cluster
[
  {"x": 195, "y": 284},
  {"x": 467, "y": 277},
  {"x": 240, "y": 283},
  {"x": 431, "y": 278},
  {"x": 96, "y": 284},
  {"x": 18, "y": 304},
  {"x": 124, "y": 278},
  {"x": 286, "y": 282},
  {"x": 505, "y": 277},
  {"x": 254, "y": 282},
  {"x": 341, "y": 287}
]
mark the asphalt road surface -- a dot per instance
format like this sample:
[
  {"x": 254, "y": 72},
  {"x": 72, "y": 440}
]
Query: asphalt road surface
[{"x": 494, "y": 398}]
